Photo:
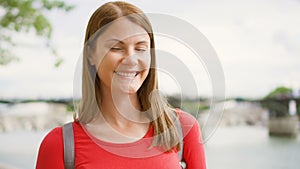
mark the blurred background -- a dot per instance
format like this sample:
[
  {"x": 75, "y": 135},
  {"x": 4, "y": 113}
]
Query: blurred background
[{"x": 257, "y": 42}]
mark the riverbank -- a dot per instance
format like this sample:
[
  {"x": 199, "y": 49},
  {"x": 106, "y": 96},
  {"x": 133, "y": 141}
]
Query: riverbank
[
  {"x": 33, "y": 116},
  {"x": 239, "y": 114},
  {"x": 42, "y": 115}
]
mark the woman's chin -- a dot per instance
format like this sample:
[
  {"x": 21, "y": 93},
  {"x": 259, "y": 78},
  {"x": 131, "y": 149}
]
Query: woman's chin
[{"x": 125, "y": 89}]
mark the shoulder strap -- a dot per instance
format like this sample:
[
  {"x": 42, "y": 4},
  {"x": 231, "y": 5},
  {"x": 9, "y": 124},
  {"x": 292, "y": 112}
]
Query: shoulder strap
[
  {"x": 180, "y": 153},
  {"x": 68, "y": 139}
]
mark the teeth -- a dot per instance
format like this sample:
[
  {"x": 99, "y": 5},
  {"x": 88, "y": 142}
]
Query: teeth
[{"x": 125, "y": 74}]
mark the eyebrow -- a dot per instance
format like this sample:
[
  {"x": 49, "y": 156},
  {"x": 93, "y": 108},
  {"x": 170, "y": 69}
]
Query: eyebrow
[
  {"x": 142, "y": 42},
  {"x": 138, "y": 43},
  {"x": 115, "y": 40}
]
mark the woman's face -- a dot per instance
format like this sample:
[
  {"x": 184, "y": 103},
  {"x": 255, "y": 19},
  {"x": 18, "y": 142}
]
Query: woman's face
[{"x": 122, "y": 56}]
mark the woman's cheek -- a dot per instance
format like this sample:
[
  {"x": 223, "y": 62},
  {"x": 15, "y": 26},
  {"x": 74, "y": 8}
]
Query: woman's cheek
[{"x": 145, "y": 60}]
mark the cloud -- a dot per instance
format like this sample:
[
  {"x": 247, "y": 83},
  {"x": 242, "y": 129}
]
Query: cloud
[{"x": 290, "y": 43}]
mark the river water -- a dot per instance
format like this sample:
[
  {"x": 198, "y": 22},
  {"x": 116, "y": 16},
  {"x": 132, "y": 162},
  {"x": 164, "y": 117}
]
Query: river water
[
  {"x": 240, "y": 147},
  {"x": 251, "y": 148}
]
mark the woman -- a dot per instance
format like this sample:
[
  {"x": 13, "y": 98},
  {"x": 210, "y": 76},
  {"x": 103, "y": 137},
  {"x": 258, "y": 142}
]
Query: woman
[{"x": 122, "y": 122}]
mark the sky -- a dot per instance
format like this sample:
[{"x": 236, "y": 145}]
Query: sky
[{"x": 257, "y": 43}]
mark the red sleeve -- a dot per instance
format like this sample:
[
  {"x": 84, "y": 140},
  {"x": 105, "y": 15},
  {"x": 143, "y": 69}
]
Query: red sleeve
[
  {"x": 193, "y": 151},
  {"x": 50, "y": 154}
]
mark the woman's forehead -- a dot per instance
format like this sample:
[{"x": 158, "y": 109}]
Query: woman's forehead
[{"x": 124, "y": 29}]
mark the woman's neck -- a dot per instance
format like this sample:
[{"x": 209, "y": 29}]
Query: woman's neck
[
  {"x": 120, "y": 119},
  {"x": 121, "y": 109}
]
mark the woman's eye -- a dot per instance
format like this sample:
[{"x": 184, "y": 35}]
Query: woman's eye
[
  {"x": 116, "y": 48},
  {"x": 141, "y": 49}
]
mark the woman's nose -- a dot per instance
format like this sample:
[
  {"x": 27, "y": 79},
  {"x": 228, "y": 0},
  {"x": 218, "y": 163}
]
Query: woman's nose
[{"x": 130, "y": 58}]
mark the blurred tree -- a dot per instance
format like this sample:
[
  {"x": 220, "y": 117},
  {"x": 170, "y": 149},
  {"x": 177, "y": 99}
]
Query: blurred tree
[
  {"x": 174, "y": 101},
  {"x": 24, "y": 16},
  {"x": 280, "y": 93},
  {"x": 277, "y": 101}
]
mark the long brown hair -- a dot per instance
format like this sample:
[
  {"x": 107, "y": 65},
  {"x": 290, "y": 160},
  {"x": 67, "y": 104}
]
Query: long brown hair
[{"x": 165, "y": 132}]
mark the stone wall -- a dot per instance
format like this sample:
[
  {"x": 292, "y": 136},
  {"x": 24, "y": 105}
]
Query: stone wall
[
  {"x": 284, "y": 126},
  {"x": 33, "y": 116}
]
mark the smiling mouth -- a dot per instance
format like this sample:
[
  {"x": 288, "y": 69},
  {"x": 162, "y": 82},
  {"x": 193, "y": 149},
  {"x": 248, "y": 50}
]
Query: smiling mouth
[{"x": 127, "y": 74}]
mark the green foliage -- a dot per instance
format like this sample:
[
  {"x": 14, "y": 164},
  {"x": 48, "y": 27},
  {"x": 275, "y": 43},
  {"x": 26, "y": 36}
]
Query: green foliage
[
  {"x": 24, "y": 16},
  {"x": 276, "y": 107},
  {"x": 277, "y": 101},
  {"x": 70, "y": 108},
  {"x": 174, "y": 101},
  {"x": 280, "y": 92},
  {"x": 193, "y": 107}
]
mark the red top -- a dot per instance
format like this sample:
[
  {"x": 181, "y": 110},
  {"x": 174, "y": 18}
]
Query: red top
[{"x": 91, "y": 152}]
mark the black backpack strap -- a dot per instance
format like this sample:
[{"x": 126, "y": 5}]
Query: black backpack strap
[{"x": 68, "y": 139}]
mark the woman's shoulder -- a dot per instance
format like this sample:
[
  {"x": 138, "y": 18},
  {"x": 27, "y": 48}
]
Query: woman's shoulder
[
  {"x": 55, "y": 135},
  {"x": 53, "y": 141},
  {"x": 51, "y": 150},
  {"x": 52, "y": 138},
  {"x": 189, "y": 124},
  {"x": 186, "y": 118}
]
